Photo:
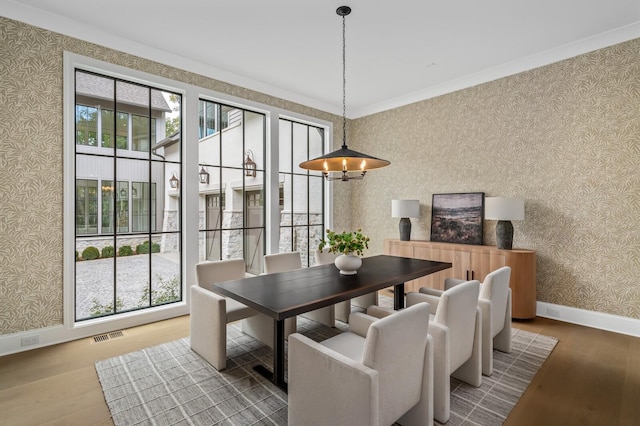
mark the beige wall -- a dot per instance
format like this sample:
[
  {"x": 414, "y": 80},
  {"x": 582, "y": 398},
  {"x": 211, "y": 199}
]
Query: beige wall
[
  {"x": 31, "y": 148},
  {"x": 565, "y": 137}
]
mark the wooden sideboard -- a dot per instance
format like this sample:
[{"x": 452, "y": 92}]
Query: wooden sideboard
[{"x": 474, "y": 263}]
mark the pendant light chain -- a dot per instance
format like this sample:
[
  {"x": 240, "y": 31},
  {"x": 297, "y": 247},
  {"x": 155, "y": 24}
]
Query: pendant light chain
[{"x": 344, "y": 83}]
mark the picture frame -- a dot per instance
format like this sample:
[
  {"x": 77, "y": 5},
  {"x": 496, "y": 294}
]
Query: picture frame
[{"x": 457, "y": 218}]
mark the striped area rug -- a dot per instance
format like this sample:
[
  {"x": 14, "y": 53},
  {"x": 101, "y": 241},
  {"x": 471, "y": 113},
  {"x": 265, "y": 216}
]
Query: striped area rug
[{"x": 169, "y": 384}]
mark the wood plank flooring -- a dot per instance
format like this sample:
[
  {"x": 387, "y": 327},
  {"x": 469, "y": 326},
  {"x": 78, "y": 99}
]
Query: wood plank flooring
[{"x": 591, "y": 378}]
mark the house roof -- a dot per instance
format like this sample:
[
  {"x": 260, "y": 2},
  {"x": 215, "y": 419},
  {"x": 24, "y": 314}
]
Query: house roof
[{"x": 102, "y": 87}]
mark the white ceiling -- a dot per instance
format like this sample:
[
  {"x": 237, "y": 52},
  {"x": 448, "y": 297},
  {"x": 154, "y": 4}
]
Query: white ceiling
[{"x": 398, "y": 51}]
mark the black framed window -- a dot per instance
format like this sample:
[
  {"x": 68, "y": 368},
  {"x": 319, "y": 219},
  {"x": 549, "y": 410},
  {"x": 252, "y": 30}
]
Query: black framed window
[
  {"x": 86, "y": 206},
  {"x": 128, "y": 226},
  {"x": 232, "y": 147},
  {"x": 302, "y": 221}
]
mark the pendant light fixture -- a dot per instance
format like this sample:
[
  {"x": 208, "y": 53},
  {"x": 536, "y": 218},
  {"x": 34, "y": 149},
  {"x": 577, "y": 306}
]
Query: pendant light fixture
[{"x": 344, "y": 160}]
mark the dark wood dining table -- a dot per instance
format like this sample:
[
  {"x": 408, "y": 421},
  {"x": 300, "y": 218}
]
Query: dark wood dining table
[{"x": 286, "y": 294}]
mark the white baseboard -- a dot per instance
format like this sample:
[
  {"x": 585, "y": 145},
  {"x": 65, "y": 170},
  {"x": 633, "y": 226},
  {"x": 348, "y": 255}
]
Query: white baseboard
[
  {"x": 47, "y": 336},
  {"x": 600, "y": 320}
]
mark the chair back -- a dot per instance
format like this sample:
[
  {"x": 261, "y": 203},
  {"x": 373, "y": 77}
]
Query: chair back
[
  {"x": 211, "y": 272},
  {"x": 395, "y": 347},
  {"x": 495, "y": 288},
  {"x": 282, "y": 262},
  {"x": 457, "y": 310},
  {"x": 323, "y": 257}
]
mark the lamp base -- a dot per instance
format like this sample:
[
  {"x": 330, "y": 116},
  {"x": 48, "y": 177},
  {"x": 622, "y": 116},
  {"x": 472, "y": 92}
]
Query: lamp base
[
  {"x": 504, "y": 234},
  {"x": 405, "y": 229}
]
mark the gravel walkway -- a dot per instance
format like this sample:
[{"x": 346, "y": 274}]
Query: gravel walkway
[{"x": 94, "y": 280}]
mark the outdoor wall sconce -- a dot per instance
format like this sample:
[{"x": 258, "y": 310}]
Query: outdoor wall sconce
[
  {"x": 134, "y": 191},
  {"x": 174, "y": 182},
  {"x": 249, "y": 165},
  {"x": 204, "y": 176},
  {"x": 123, "y": 193}
]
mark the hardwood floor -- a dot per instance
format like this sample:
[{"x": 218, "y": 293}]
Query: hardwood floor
[
  {"x": 58, "y": 385},
  {"x": 591, "y": 378}
]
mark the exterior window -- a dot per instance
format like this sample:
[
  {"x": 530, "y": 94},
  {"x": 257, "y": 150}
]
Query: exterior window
[
  {"x": 143, "y": 210},
  {"x": 213, "y": 117},
  {"x": 107, "y": 206},
  {"x": 86, "y": 125},
  {"x": 122, "y": 130},
  {"x": 122, "y": 203},
  {"x": 86, "y": 206},
  {"x": 141, "y": 131},
  {"x": 106, "y": 128},
  {"x": 302, "y": 192}
]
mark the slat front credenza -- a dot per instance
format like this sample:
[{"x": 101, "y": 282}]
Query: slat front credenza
[{"x": 472, "y": 262}]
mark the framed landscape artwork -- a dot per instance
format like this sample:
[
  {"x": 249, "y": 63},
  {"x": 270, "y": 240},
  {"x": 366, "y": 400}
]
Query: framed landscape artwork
[{"x": 457, "y": 218}]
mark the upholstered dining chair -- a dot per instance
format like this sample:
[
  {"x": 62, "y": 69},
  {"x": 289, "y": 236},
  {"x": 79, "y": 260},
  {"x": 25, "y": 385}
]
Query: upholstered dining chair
[
  {"x": 377, "y": 373},
  {"x": 343, "y": 309},
  {"x": 455, "y": 326},
  {"x": 211, "y": 312},
  {"x": 495, "y": 303},
  {"x": 282, "y": 262},
  {"x": 289, "y": 261}
]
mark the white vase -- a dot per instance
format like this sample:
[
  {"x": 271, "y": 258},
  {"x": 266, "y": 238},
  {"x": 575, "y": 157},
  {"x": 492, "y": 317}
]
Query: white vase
[{"x": 348, "y": 264}]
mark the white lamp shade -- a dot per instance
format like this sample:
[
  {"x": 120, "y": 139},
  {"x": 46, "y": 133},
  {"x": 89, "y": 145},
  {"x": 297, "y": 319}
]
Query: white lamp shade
[
  {"x": 405, "y": 208},
  {"x": 503, "y": 208}
]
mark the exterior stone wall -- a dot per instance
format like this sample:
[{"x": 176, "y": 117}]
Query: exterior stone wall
[
  {"x": 232, "y": 241},
  {"x": 170, "y": 242},
  {"x": 300, "y": 237}
]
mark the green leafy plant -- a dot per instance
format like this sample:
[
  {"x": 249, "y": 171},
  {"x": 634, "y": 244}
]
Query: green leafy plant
[
  {"x": 168, "y": 291},
  {"x": 98, "y": 309},
  {"x": 346, "y": 242},
  {"x": 108, "y": 251},
  {"x": 144, "y": 248},
  {"x": 90, "y": 253},
  {"x": 125, "y": 251}
]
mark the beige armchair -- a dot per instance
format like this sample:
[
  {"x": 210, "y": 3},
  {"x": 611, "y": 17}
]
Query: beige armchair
[
  {"x": 455, "y": 327},
  {"x": 281, "y": 262},
  {"x": 495, "y": 303},
  {"x": 377, "y": 373},
  {"x": 343, "y": 309},
  {"x": 289, "y": 261},
  {"x": 211, "y": 312}
]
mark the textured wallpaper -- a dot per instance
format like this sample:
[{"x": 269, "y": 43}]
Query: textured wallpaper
[
  {"x": 31, "y": 150},
  {"x": 565, "y": 137}
]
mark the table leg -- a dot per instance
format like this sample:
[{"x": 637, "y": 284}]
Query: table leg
[
  {"x": 398, "y": 297},
  {"x": 277, "y": 376},
  {"x": 278, "y": 355}
]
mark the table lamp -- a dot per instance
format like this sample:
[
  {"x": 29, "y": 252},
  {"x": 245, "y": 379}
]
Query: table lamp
[
  {"x": 404, "y": 209},
  {"x": 504, "y": 210}
]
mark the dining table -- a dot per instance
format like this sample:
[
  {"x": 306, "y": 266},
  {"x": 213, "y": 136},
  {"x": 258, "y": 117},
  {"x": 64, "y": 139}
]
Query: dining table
[{"x": 287, "y": 294}]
